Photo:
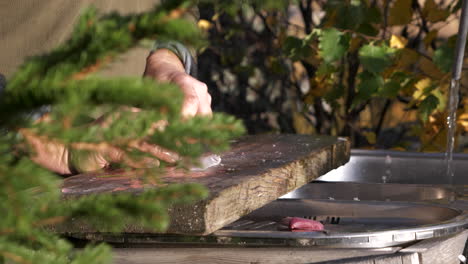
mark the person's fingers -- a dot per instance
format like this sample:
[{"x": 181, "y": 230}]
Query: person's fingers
[
  {"x": 156, "y": 151},
  {"x": 90, "y": 157},
  {"x": 86, "y": 157},
  {"x": 189, "y": 106},
  {"x": 143, "y": 163},
  {"x": 82, "y": 161},
  {"x": 203, "y": 98},
  {"x": 204, "y": 108},
  {"x": 197, "y": 100}
]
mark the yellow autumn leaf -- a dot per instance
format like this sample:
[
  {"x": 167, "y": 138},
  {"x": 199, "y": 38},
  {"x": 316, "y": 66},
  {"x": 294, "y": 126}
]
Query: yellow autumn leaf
[
  {"x": 302, "y": 125},
  {"x": 371, "y": 137},
  {"x": 434, "y": 134},
  {"x": 215, "y": 17},
  {"x": 420, "y": 87},
  {"x": 462, "y": 121},
  {"x": 204, "y": 24},
  {"x": 400, "y": 13},
  {"x": 398, "y": 42},
  {"x": 465, "y": 104},
  {"x": 439, "y": 93}
]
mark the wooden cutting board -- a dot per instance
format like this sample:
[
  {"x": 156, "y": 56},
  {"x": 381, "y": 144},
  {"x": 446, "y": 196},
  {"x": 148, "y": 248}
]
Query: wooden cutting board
[{"x": 257, "y": 170}]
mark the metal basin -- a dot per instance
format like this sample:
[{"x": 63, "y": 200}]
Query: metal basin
[
  {"x": 348, "y": 223},
  {"x": 371, "y": 192},
  {"x": 360, "y": 206},
  {"x": 371, "y": 166}
]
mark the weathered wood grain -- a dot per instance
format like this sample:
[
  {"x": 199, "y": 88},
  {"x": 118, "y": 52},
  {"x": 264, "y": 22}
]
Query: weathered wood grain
[{"x": 256, "y": 171}]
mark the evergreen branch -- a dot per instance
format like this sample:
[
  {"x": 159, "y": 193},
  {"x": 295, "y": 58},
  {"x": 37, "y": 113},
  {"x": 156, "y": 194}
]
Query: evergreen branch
[
  {"x": 49, "y": 221},
  {"x": 96, "y": 254},
  {"x": 14, "y": 257},
  {"x": 128, "y": 92},
  {"x": 192, "y": 137},
  {"x": 6, "y": 231},
  {"x": 62, "y": 79}
]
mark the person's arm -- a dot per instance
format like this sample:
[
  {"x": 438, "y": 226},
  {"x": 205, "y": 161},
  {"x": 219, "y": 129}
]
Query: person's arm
[{"x": 164, "y": 65}]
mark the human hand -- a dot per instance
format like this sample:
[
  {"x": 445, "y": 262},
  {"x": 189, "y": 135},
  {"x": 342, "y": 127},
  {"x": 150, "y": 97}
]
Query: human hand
[
  {"x": 164, "y": 65},
  {"x": 86, "y": 157},
  {"x": 197, "y": 100},
  {"x": 82, "y": 157}
]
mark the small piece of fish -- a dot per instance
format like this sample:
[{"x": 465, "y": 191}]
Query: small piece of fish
[{"x": 301, "y": 224}]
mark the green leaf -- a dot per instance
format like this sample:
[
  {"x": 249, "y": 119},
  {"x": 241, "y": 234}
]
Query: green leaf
[
  {"x": 443, "y": 57},
  {"x": 335, "y": 93},
  {"x": 349, "y": 14},
  {"x": 368, "y": 86},
  {"x": 394, "y": 85},
  {"x": 296, "y": 48},
  {"x": 390, "y": 89},
  {"x": 375, "y": 58},
  {"x": 367, "y": 29},
  {"x": 373, "y": 15},
  {"x": 442, "y": 99},
  {"x": 271, "y": 5},
  {"x": 325, "y": 68},
  {"x": 427, "y": 106},
  {"x": 333, "y": 45}
]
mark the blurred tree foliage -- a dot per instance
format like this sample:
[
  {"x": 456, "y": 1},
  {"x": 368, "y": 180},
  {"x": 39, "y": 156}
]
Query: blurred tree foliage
[{"x": 376, "y": 71}]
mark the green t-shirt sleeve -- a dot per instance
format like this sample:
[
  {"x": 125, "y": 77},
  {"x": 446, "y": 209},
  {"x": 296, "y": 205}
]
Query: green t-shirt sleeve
[{"x": 180, "y": 51}]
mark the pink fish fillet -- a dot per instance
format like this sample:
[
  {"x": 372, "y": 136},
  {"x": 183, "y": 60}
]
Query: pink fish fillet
[{"x": 297, "y": 223}]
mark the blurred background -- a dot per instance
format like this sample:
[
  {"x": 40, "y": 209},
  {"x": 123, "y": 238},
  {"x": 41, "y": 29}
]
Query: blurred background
[{"x": 373, "y": 70}]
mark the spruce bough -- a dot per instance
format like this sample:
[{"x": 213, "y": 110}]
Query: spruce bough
[{"x": 30, "y": 197}]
